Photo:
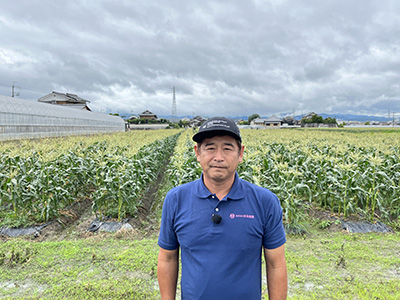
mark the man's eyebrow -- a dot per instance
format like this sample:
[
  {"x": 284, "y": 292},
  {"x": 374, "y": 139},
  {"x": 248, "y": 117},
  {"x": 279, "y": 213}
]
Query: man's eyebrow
[
  {"x": 228, "y": 144},
  {"x": 213, "y": 144},
  {"x": 209, "y": 144}
]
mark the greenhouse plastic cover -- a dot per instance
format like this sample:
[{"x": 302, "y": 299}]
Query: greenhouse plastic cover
[{"x": 21, "y": 118}]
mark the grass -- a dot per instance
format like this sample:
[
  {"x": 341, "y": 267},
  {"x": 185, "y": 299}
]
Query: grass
[
  {"x": 321, "y": 265},
  {"x": 325, "y": 265},
  {"x": 103, "y": 267}
]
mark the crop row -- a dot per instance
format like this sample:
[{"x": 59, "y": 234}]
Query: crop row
[
  {"x": 343, "y": 172},
  {"x": 36, "y": 189},
  {"x": 183, "y": 165},
  {"x": 343, "y": 175}
]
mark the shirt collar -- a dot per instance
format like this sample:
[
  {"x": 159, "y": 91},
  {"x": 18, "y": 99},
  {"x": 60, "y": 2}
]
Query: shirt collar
[{"x": 235, "y": 193}]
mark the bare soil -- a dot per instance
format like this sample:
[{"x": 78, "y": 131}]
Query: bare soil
[{"x": 322, "y": 215}]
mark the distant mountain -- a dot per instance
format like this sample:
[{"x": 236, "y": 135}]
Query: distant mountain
[
  {"x": 346, "y": 117},
  {"x": 359, "y": 118},
  {"x": 342, "y": 117}
]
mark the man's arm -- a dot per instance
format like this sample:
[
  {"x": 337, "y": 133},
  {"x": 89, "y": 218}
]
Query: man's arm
[
  {"x": 276, "y": 273},
  {"x": 167, "y": 273}
]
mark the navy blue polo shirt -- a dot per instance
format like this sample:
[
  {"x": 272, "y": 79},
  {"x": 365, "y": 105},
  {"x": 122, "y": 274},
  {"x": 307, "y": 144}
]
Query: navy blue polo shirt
[{"x": 221, "y": 261}]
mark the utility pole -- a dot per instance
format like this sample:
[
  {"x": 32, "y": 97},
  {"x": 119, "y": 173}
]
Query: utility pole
[
  {"x": 393, "y": 121},
  {"x": 13, "y": 92},
  {"x": 12, "y": 89}
]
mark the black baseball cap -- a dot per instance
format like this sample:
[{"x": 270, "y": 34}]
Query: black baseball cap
[{"x": 217, "y": 126}]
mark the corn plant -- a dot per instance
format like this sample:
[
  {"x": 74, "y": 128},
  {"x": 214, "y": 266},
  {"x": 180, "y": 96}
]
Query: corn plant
[
  {"x": 337, "y": 170},
  {"x": 343, "y": 171},
  {"x": 36, "y": 183},
  {"x": 122, "y": 182},
  {"x": 183, "y": 166}
]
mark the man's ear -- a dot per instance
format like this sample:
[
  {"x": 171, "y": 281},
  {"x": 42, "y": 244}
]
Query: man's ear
[
  {"x": 241, "y": 154},
  {"x": 197, "y": 152}
]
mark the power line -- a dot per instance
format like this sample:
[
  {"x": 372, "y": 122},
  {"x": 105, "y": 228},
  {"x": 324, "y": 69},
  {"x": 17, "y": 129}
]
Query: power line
[
  {"x": 32, "y": 90},
  {"x": 14, "y": 92}
]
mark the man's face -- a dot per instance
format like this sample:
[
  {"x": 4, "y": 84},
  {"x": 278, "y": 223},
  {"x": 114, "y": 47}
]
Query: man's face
[{"x": 219, "y": 157}]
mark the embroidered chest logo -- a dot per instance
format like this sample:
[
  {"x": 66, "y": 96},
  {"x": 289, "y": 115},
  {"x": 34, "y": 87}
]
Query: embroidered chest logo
[{"x": 233, "y": 216}]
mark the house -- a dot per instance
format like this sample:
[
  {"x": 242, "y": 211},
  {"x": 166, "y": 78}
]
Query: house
[
  {"x": 197, "y": 121},
  {"x": 67, "y": 99},
  {"x": 308, "y": 116},
  {"x": 148, "y": 115},
  {"x": 133, "y": 117},
  {"x": 258, "y": 121},
  {"x": 289, "y": 120},
  {"x": 273, "y": 121}
]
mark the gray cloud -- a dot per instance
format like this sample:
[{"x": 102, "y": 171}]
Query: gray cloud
[{"x": 224, "y": 58}]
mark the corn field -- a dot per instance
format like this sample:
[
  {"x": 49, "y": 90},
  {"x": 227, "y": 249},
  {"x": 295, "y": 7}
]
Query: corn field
[
  {"x": 344, "y": 172},
  {"x": 40, "y": 179},
  {"x": 341, "y": 171}
]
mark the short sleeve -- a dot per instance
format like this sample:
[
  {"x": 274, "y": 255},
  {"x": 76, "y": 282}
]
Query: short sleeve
[
  {"x": 167, "y": 238},
  {"x": 274, "y": 232}
]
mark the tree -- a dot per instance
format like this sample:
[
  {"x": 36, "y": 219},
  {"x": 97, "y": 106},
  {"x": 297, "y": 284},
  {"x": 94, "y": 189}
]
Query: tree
[
  {"x": 184, "y": 124},
  {"x": 319, "y": 119},
  {"x": 330, "y": 120},
  {"x": 253, "y": 116}
]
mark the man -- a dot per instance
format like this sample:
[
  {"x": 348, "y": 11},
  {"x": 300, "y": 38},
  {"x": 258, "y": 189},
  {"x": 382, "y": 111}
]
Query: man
[{"x": 221, "y": 223}]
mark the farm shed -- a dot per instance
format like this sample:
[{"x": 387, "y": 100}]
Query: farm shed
[{"x": 22, "y": 119}]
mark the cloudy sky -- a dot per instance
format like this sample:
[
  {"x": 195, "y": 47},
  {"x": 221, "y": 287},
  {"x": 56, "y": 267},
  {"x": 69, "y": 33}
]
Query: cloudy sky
[{"x": 232, "y": 58}]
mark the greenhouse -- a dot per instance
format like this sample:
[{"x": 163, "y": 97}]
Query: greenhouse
[{"x": 21, "y": 119}]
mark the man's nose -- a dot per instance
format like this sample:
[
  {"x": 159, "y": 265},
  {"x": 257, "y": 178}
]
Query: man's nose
[{"x": 219, "y": 155}]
